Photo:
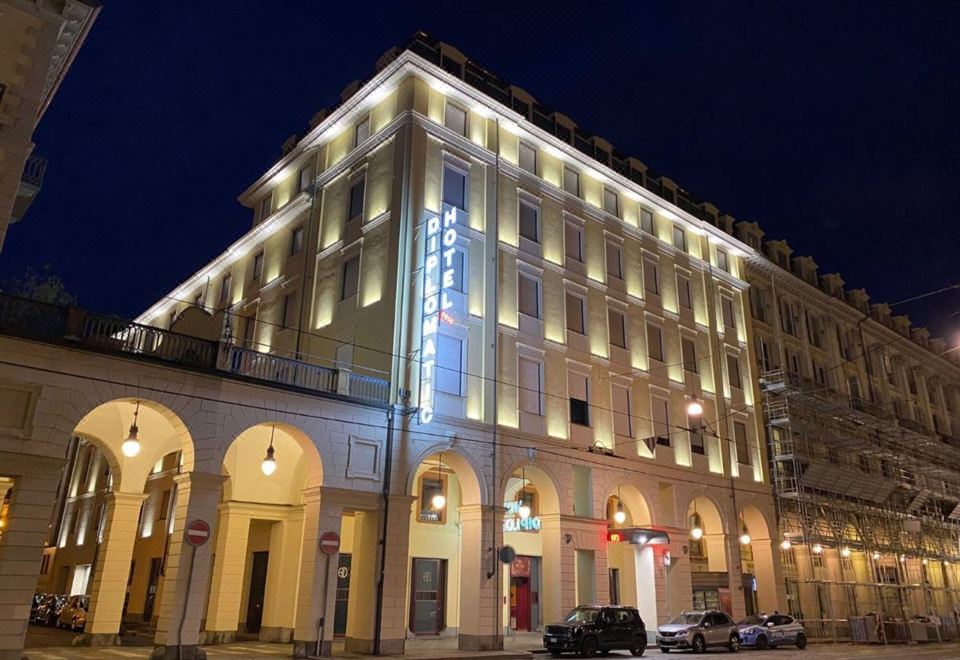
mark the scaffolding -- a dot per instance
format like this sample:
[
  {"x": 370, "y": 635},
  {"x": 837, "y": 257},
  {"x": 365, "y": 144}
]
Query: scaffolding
[{"x": 868, "y": 507}]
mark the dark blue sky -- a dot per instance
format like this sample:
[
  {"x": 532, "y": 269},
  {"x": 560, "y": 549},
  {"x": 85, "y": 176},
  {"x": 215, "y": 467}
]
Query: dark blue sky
[{"x": 833, "y": 125}]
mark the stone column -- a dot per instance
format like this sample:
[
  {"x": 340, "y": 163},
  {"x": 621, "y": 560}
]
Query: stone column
[
  {"x": 317, "y": 571},
  {"x": 187, "y": 569},
  {"x": 771, "y": 593},
  {"x": 362, "y": 606},
  {"x": 559, "y": 572},
  {"x": 226, "y": 589},
  {"x": 280, "y": 600},
  {"x": 21, "y": 544},
  {"x": 735, "y": 571},
  {"x": 481, "y": 533},
  {"x": 394, "y": 617},
  {"x": 108, "y": 588}
]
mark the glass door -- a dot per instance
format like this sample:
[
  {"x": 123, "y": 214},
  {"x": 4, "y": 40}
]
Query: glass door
[{"x": 427, "y": 596}]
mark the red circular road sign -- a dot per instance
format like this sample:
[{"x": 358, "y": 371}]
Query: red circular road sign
[
  {"x": 197, "y": 532},
  {"x": 329, "y": 543}
]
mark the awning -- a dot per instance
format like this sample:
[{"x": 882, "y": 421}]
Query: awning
[{"x": 639, "y": 536}]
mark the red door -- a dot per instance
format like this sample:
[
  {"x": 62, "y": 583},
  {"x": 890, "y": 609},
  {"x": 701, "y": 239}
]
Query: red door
[{"x": 523, "y": 603}]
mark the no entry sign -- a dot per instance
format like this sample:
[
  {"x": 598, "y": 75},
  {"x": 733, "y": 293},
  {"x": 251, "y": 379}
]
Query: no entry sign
[
  {"x": 197, "y": 532},
  {"x": 329, "y": 543}
]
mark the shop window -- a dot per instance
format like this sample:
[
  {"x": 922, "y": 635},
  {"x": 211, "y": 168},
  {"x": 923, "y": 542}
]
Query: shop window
[{"x": 432, "y": 484}]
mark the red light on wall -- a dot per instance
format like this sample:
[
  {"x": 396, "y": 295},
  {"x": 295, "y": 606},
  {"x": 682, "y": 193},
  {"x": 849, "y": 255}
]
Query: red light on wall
[{"x": 614, "y": 537}]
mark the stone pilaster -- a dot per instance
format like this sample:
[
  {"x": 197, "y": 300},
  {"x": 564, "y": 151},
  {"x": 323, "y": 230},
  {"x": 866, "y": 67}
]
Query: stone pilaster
[
  {"x": 481, "y": 533},
  {"x": 226, "y": 589}
]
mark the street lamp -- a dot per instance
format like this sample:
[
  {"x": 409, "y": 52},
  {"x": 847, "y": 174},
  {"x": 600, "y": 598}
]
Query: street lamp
[
  {"x": 694, "y": 408},
  {"x": 269, "y": 464},
  {"x": 131, "y": 446},
  {"x": 619, "y": 516},
  {"x": 744, "y": 535},
  {"x": 696, "y": 533}
]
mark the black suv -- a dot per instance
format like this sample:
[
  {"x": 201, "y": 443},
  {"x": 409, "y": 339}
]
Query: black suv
[{"x": 592, "y": 628}]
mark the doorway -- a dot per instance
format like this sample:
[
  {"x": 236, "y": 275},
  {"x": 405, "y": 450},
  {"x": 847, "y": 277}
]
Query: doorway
[
  {"x": 525, "y": 593},
  {"x": 427, "y": 596},
  {"x": 258, "y": 588},
  {"x": 153, "y": 581},
  {"x": 343, "y": 595}
]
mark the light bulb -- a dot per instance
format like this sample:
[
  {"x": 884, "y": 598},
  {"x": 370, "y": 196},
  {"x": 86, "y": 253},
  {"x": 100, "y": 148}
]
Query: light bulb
[
  {"x": 131, "y": 446},
  {"x": 924, "y": 561},
  {"x": 745, "y": 539},
  {"x": 694, "y": 408},
  {"x": 817, "y": 549},
  {"x": 269, "y": 464},
  {"x": 844, "y": 552},
  {"x": 785, "y": 544},
  {"x": 620, "y": 516},
  {"x": 903, "y": 558},
  {"x": 524, "y": 511},
  {"x": 876, "y": 556},
  {"x": 696, "y": 533},
  {"x": 438, "y": 501}
]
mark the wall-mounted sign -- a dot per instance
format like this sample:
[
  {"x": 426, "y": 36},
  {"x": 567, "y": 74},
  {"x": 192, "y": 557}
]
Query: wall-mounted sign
[
  {"x": 439, "y": 276},
  {"x": 512, "y": 522}
]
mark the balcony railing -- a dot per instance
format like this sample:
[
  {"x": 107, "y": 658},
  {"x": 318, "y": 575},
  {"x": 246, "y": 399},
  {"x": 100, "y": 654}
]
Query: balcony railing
[{"x": 30, "y": 319}]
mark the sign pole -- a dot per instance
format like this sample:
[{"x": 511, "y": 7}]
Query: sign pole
[
  {"x": 329, "y": 545},
  {"x": 196, "y": 533}
]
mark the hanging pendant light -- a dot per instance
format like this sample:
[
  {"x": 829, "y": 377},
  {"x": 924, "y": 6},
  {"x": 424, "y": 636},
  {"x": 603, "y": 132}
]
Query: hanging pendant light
[
  {"x": 845, "y": 552},
  {"x": 439, "y": 500},
  {"x": 620, "y": 516},
  {"x": 817, "y": 549},
  {"x": 744, "y": 534},
  {"x": 697, "y": 532},
  {"x": 524, "y": 509},
  {"x": 785, "y": 544},
  {"x": 876, "y": 555},
  {"x": 131, "y": 446},
  {"x": 269, "y": 464}
]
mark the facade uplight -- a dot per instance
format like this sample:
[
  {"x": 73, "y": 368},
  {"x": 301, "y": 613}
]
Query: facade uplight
[{"x": 131, "y": 446}]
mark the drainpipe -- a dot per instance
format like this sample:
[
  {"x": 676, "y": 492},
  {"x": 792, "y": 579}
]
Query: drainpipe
[{"x": 387, "y": 469}]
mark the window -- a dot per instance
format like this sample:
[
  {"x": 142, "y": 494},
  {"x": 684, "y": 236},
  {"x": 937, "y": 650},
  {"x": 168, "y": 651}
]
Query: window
[
  {"x": 654, "y": 342},
  {"x": 614, "y": 260},
  {"x": 651, "y": 277},
  {"x": 740, "y": 440},
  {"x": 528, "y": 290},
  {"x": 289, "y": 310},
  {"x": 357, "y": 189},
  {"x": 683, "y": 291},
  {"x": 679, "y": 238},
  {"x": 726, "y": 308},
  {"x": 573, "y": 238},
  {"x": 723, "y": 260},
  {"x": 530, "y": 383},
  {"x": 225, "y": 288},
  {"x": 458, "y": 261},
  {"x": 695, "y": 433},
  {"x": 305, "y": 177},
  {"x": 258, "y": 265},
  {"x": 646, "y": 220},
  {"x": 611, "y": 202},
  {"x": 733, "y": 368},
  {"x": 432, "y": 483},
  {"x": 622, "y": 419},
  {"x": 266, "y": 206},
  {"x": 296, "y": 241},
  {"x": 786, "y": 317},
  {"x": 575, "y": 315},
  {"x": 579, "y": 398},
  {"x": 449, "y": 365},
  {"x": 661, "y": 421},
  {"x": 529, "y": 221},
  {"x": 688, "y": 350},
  {"x": 618, "y": 327},
  {"x": 454, "y": 187},
  {"x": 164, "y": 505},
  {"x": 350, "y": 281},
  {"x": 528, "y": 158},
  {"x": 571, "y": 181},
  {"x": 455, "y": 119},
  {"x": 362, "y": 131}
]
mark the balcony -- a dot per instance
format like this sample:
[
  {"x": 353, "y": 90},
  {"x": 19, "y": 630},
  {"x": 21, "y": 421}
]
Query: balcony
[
  {"x": 76, "y": 327},
  {"x": 31, "y": 180}
]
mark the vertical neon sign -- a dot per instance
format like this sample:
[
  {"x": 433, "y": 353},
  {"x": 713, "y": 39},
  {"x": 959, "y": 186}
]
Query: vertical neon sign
[{"x": 439, "y": 275}]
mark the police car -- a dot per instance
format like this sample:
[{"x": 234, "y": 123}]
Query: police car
[{"x": 764, "y": 630}]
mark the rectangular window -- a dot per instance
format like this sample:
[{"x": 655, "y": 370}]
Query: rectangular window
[
  {"x": 683, "y": 292},
  {"x": 164, "y": 505},
  {"x": 362, "y": 132},
  {"x": 455, "y": 119},
  {"x": 454, "y": 187},
  {"x": 350, "y": 281},
  {"x": 618, "y": 327},
  {"x": 786, "y": 317},
  {"x": 225, "y": 288},
  {"x": 689, "y": 350},
  {"x": 289, "y": 310},
  {"x": 646, "y": 220},
  {"x": 528, "y": 291},
  {"x": 529, "y": 221},
  {"x": 528, "y": 158},
  {"x": 679, "y": 238},
  {"x": 661, "y": 421},
  {"x": 622, "y": 419},
  {"x": 296, "y": 241},
  {"x": 431, "y": 485},
  {"x": 579, "y": 398},
  {"x": 573, "y": 239},
  {"x": 695, "y": 432},
  {"x": 733, "y": 368},
  {"x": 614, "y": 260},
  {"x": 740, "y": 440},
  {"x": 723, "y": 261},
  {"x": 357, "y": 189},
  {"x": 305, "y": 178},
  {"x": 651, "y": 277},
  {"x": 571, "y": 181},
  {"x": 575, "y": 313},
  {"x": 530, "y": 380},
  {"x": 458, "y": 261},
  {"x": 611, "y": 202},
  {"x": 449, "y": 365},
  {"x": 726, "y": 307},
  {"x": 266, "y": 206},
  {"x": 258, "y": 265},
  {"x": 654, "y": 342}
]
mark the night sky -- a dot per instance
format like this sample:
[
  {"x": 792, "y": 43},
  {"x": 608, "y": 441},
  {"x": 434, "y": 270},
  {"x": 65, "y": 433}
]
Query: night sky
[{"x": 834, "y": 126}]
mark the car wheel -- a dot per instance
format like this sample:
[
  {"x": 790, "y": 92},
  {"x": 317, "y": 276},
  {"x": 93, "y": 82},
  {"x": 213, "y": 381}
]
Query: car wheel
[
  {"x": 734, "y": 644},
  {"x": 555, "y": 654},
  {"x": 698, "y": 645},
  {"x": 762, "y": 642},
  {"x": 801, "y": 641},
  {"x": 664, "y": 649},
  {"x": 588, "y": 647},
  {"x": 604, "y": 652},
  {"x": 638, "y": 647}
]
